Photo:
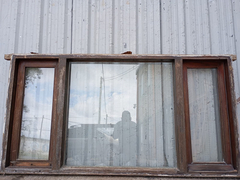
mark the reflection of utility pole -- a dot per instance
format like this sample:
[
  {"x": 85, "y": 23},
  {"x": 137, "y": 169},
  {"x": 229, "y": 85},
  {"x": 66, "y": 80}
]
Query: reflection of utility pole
[
  {"x": 100, "y": 99},
  {"x": 41, "y": 127}
]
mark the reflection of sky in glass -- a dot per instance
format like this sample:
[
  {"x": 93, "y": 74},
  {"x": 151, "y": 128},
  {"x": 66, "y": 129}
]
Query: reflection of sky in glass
[
  {"x": 119, "y": 88},
  {"x": 38, "y": 98}
]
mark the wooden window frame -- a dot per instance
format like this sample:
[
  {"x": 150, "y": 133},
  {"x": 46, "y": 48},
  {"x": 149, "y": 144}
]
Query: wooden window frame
[
  {"x": 184, "y": 168},
  {"x": 229, "y": 163},
  {"x": 17, "y": 114}
]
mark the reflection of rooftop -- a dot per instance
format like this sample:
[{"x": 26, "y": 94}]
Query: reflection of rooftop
[{"x": 90, "y": 130}]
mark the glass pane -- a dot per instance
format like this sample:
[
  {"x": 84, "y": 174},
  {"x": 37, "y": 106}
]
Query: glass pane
[
  {"x": 121, "y": 115},
  {"x": 37, "y": 114},
  {"x": 204, "y": 115}
]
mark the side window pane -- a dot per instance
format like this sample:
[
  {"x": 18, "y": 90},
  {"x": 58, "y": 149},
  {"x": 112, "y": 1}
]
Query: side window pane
[
  {"x": 36, "y": 114},
  {"x": 121, "y": 115},
  {"x": 204, "y": 115}
]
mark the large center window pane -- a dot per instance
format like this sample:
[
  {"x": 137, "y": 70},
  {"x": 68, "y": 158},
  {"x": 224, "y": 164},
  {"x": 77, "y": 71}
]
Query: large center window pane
[{"x": 121, "y": 114}]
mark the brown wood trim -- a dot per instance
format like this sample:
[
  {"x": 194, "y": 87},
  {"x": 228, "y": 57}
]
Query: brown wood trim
[
  {"x": 9, "y": 113},
  {"x": 17, "y": 115},
  {"x": 59, "y": 131},
  {"x": 232, "y": 114},
  {"x": 17, "y": 112},
  {"x": 67, "y": 99},
  {"x": 53, "y": 137},
  {"x": 33, "y": 163},
  {"x": 187, "y": 118},
  {"x": 210, "y": 167},
  {"x": 179, "y": 116},
  {"x": 120, "y": 171},
  {"x": 222, "y": 95},
  {"x": 120, "y": 57}
]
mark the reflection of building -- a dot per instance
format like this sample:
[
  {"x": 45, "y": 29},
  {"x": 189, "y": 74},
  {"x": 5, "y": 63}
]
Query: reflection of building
[{"x": 155, "y": 116}]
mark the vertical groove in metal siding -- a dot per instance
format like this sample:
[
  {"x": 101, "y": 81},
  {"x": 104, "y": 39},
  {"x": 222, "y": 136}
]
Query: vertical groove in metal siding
[
  {"x": 197, "y": 27},
  {"x": 71, "y": 49},
  {"x": 133, "y": 28},
  {"x": 113, "y": 27},
  {"x": 137, "y": 24},
  {"x": 221, "y": 27},
  {"x": 41, "y": 27},
  {"x": 17, "y": 27},
  {"x": 148, "y": 26},
  {"x": 89, "y": 26},
  {"x": 209, "y": 30},
  {"x": 139, "y": 28}
]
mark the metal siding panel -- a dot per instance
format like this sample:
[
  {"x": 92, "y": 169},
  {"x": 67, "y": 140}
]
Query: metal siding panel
[
  {"x": 141, "y": 27},
  {"x": 148, "y": 26},
  {"x": 173, "y": 27},
  {"x": 224, "y": 27},
  {"x": 133, "y": 28},
  {"x": 221, "y": 27},
  {"x": 26, "y": 26},
  {"x": 8, "y": 16},
  {"x": 197, "y": 27}
]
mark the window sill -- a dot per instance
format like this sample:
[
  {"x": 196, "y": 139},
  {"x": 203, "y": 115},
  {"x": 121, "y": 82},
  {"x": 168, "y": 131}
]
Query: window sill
[{"x": 117, "y": 171}]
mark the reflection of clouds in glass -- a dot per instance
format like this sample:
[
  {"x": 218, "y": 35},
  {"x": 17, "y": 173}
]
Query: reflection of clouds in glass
[
  {"x": 42, "y": 87},
  {"x": 38, "y": 97},
  {"x": 118, "y": 92}
]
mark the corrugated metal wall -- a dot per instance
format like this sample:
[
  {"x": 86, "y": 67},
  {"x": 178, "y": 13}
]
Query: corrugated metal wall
[{"x": 115, "y": 26}]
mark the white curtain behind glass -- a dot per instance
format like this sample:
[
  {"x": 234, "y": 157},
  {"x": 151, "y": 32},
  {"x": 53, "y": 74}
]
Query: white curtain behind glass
[{"x": 204, "y": 115}]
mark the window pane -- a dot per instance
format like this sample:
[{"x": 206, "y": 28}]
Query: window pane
[
  {"x": 37, "y": 114},
  {"x": 121, "y": 115},
  {"x": 204, "y": 115}
]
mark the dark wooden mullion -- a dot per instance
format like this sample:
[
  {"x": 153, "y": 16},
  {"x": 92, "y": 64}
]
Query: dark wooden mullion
[
  {"x": 59, "y": 124},
  {"x": 232, "y": 113},
  {"x": 52, "y": 147},
  {"x": 187, "y": 115},
  {"x": 225, "y": 133},
  {"x": 180, "y": 127},
  {"x": 65, "y": 123}
]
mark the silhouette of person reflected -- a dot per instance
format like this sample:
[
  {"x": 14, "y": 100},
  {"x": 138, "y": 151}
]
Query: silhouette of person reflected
[{"x": 125, "y": 132}]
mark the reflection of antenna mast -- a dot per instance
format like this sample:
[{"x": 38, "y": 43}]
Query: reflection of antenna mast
[
  {"x": 100, "y": 99},
  {"x": 41, "y": 127}
]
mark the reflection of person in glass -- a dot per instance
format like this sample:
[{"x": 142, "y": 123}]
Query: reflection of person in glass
[{"x": 125, "y": 131}]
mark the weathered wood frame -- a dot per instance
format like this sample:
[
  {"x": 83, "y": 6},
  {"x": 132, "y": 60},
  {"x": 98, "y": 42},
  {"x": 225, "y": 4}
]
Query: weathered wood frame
[
  {"x": 17, "y": 113},
  {"x": 229, "y": 163},
  {"x": 58, "y": 141}
]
